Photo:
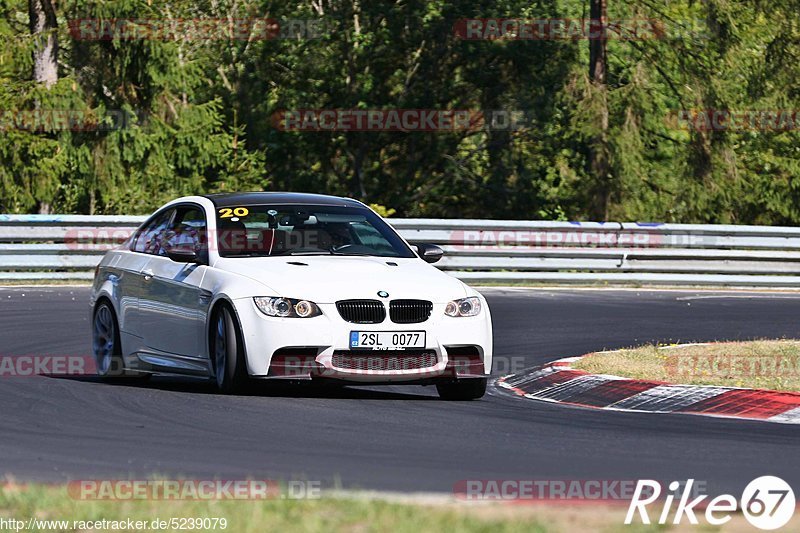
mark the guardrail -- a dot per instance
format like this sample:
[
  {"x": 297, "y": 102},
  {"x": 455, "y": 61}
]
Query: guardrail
[{"x": 47, "y": 247}]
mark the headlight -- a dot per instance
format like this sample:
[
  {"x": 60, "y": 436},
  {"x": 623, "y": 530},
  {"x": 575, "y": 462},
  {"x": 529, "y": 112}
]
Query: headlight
[
  {"x": 286, "y": 307},
  {"x": 464, "y": 307}
]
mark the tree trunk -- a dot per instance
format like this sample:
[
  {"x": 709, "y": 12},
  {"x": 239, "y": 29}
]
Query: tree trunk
[
  {"x": 599, "y": 166},
  {"x": 43, "y": 24}
]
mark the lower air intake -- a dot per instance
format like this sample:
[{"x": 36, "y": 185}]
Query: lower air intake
[{"x": 384, "y": 361}]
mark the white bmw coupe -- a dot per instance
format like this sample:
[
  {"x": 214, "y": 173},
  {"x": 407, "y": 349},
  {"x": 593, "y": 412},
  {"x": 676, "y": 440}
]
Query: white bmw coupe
[{"x": 285, "y": 286}]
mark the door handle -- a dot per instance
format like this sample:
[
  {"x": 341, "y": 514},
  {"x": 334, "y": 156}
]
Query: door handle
[{"x": 148, "y": 275}]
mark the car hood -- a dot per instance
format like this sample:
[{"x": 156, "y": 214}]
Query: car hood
[{"x": 328, "y": 279}]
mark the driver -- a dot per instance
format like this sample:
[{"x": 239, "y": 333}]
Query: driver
[{"x": 340, "y": 235}]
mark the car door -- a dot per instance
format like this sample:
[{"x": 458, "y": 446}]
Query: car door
[
  {"x": 130, "y": 269},
  {"x": 173, "y": 306}
]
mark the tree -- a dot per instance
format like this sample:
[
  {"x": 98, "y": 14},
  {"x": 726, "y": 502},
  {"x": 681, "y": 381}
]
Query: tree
[
  {"x": 599, "y": 153},
  {"x": 599, "y": 140},
  {"x": 43, "y": 26}
]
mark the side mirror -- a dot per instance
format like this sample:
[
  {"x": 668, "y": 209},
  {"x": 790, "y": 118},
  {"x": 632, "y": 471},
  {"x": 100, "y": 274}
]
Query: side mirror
[
  {"x": 183, "y": 254},
  {"x": 430, "y": 253}
]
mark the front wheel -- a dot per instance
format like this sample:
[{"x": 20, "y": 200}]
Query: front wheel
[
  {"x": 467, "y": 389},
  {"x": 230, "y": 371}
]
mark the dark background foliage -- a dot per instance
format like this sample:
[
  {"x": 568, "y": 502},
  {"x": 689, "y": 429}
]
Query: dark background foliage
[{"x": 199, "y": 111}]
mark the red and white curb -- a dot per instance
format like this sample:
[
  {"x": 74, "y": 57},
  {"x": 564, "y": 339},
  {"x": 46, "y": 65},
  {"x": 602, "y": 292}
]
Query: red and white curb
[{"x": 558, "y": 382}]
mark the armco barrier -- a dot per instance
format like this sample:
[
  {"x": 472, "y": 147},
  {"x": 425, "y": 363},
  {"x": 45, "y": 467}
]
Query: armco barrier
[{"x": 48, "y": 247}]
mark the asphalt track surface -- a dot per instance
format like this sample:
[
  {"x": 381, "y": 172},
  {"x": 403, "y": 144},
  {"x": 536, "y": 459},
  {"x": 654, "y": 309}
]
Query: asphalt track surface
[{"x": 394, "y": 438}]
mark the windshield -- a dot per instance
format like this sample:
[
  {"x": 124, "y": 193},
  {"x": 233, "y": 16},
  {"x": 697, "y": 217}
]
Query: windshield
[{"x": 281, "y": 230}]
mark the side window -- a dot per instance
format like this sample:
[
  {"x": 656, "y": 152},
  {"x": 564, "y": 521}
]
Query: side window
[
  {"x": 150, "y": 239},
  {"x": 188, "y": 229}
]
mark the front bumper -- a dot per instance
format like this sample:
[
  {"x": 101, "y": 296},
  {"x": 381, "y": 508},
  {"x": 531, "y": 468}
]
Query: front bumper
[{"x": 320, "y": 345}]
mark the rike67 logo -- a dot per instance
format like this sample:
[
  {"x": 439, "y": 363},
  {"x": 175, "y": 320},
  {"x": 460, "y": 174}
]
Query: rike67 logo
[{"x": 767, "y": 502}]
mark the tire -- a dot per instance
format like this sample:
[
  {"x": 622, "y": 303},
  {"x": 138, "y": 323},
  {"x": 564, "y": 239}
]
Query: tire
[
  {"x": 227, "y": 351},
  {"x": 106, "y": 346},
  {"x": 464, "y": 390}
]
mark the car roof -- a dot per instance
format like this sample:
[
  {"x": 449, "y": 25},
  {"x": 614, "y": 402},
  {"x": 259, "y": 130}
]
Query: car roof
[{"x": 255, "y": 198}]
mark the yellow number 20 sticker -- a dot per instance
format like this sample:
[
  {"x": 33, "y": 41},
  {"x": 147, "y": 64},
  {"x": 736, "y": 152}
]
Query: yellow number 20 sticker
[{"x": 227, "y": 212}]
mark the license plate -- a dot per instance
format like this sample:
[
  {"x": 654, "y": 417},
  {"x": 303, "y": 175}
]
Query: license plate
[{"x": 387, "y": 340}]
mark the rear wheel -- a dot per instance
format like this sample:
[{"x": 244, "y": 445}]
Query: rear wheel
[
  {"x": 106, "y": 345},
  {"x": 227, "y": 348},
  {"x": 467, "y": 389},
  {"x": 105, "y": 342}
]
